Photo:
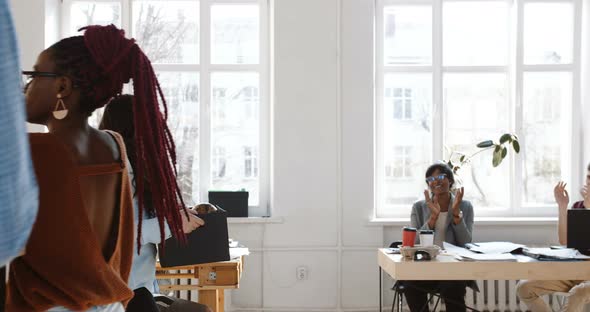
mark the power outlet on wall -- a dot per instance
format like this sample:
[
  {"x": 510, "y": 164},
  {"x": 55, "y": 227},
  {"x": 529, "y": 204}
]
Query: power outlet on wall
[{"x": 302, "y": 273}]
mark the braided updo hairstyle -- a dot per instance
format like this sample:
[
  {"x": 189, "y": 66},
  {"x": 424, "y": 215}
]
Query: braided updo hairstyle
[{"x": 99, "y": 63}]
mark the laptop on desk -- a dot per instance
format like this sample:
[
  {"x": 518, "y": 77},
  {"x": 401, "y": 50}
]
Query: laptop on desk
[{"x": 578, "y": 230}]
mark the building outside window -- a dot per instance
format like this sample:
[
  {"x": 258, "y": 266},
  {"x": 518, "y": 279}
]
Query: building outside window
[
  {"x": 211, "y": 59},
  {"x": 450, "y": 74}
]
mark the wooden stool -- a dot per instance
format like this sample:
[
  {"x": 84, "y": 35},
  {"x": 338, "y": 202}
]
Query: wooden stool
[{"x": 213, "y": 278}]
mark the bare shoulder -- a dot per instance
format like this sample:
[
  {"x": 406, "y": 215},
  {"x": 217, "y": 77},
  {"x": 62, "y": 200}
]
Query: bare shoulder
[{"x": 104, "y": 147}]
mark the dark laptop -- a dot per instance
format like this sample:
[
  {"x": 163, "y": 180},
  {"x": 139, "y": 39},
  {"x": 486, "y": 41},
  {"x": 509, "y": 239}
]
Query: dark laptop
[{"x": 578, "y": 230}]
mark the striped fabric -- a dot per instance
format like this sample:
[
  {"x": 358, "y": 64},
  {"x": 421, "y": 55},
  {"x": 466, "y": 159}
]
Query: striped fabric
[{"x": 18, "y": 189}]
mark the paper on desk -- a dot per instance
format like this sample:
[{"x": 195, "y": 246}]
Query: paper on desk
[
  {"x": 456, "y": 250},
  {"x": 548, "y": 253},
  {"x": 463, "y": 254},
  {"x": 238, "y": 252},
  {"x": 494, "y": 247},
  {"x": 489, "y": 257}
]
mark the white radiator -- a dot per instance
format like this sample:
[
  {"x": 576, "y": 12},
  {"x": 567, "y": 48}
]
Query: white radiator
[
  {"x": 494, "y": 296},
  {"x": 500, "y": 296}
]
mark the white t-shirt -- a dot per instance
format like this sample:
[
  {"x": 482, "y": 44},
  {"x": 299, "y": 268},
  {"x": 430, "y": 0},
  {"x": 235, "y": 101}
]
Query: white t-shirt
[{"x": 440, "y": 228}]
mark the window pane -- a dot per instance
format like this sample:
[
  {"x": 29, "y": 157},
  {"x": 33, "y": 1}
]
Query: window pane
[
  {"x": 84, "y": 13},
  {"x": 235, "y": 124},
  {"x": 235, "y": 34},
  {"x": 407, "y": 35},
  {"x": 476, "y": 109},
  {"x": 167, "y": 31},
  {"x": 545, "y": 97},
  {"x": 475, "y": 33},
  {"x": 407, "y": 142},
  {"x": 182, "y": 96},
  {"x": 548, "y": 33}
]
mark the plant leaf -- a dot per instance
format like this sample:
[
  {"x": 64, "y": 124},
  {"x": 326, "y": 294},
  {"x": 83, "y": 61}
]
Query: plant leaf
[
  {"x": 516, "y": 146},
  {"x": 497, "y": 157},
  {"x": 504, "y": 152},
  {"x": 484, "y": 144},
  {"x": 462, "y": 158},
  {"x": 505, "y": 138}
]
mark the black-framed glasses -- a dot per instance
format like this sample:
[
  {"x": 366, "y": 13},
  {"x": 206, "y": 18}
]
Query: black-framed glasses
[
  {"x": 29, "y": 75},
  {"x": 438, "y": 177}
]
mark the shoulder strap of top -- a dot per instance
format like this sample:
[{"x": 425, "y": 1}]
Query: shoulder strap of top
[
  {"x": 122, "y": 150},
  {"x": 108, "y": 168}
]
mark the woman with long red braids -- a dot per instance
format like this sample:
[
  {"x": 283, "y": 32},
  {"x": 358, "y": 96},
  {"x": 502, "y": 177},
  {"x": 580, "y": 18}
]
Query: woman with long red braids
[{"x": 80, "y": 251}]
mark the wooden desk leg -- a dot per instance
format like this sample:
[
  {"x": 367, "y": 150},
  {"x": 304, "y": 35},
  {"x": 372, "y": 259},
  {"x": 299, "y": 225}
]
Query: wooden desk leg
[{"x": 213, "y": 298}]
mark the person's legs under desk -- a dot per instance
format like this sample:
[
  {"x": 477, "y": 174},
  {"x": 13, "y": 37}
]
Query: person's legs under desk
[
  {"x": 531, "y": 291},
  {"x": 417, "y": 294},
  {"x": 578, "y": 297},
  {"x": 453, "y": 292}
]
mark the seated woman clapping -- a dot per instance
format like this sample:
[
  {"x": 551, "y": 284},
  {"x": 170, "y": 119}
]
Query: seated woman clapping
[{"x": 451, "y": 218}]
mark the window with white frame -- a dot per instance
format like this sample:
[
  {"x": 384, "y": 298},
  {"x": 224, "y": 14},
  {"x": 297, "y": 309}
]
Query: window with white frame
[
  {"x": 399, "y": 164},
  {"x": 211, "y": 58},
  {"x": 401, "y": 99},
  {"x": 250, "y": 162},
  {"x": 218, "y": 163},
  {"x": 466, "y": 71}
]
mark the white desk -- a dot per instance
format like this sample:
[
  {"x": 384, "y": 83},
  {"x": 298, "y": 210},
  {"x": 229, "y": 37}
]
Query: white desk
[{"x": 446, "y": 267}]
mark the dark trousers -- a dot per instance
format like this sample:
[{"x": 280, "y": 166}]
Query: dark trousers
[
  {"x": 172, "y": 304},
  {"x": 452, "y": 292},
  {"x": 142, "y": 301}
]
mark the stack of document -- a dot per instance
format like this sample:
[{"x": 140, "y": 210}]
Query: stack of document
[
  {"x": 463, "y": 254},
  {"x": 554, "y": 254},
  {"x": 237, "y": 252},
  {"x": 494, "y": 247},
  {"x": 488, "y": 257}
]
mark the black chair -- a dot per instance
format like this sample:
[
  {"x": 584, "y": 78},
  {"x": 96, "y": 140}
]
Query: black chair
[{"x": 399, "y": 289}]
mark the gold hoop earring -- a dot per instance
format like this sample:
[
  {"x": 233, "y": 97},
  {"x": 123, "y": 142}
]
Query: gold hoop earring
[{"x": 60, "y": 113}]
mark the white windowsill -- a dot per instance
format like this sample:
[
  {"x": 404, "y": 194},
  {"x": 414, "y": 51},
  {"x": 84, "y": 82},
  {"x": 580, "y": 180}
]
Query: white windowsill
[
  {"x": 254, "y": 220},
  {"x": 478, "y": 221}
]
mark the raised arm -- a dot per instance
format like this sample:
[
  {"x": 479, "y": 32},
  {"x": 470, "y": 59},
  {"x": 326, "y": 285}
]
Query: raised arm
[{"x": 562, "y": 199}]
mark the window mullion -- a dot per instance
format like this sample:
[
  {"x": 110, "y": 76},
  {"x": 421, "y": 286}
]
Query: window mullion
[
  {"x": 205, "y": 146},
  {"x": 127, "y": 17},
  {"x": 378, "y": 117},
  {"x": 516, "y": 196},
  {"x": 576, "y": 167},
  {"x": 65, "y": 24},
  {"x": 264, "y": 112},
  {"x": 437, "y": 81}
]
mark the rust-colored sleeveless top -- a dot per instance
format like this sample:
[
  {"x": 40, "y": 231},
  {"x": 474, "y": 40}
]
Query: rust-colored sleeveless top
[{"x": 64, "y": 263}]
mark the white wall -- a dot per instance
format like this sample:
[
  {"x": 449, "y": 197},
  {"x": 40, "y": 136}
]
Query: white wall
[
  {"x": 36, "y": 23},
  {"x": 322, "y": 163}
]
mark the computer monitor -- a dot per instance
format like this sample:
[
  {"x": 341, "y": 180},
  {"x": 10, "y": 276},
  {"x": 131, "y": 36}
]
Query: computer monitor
[{"x": 578, "y": 230}]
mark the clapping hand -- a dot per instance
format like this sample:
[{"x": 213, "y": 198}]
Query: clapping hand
[
  {"x": 432, "y": 204},
  {"x": 458, "y": 199},
  {"x": 562, "y": 198}
]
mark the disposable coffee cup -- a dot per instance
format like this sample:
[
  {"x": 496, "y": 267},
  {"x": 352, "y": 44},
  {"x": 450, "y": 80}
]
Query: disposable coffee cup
[
  {"x": 408, "y": 236},
  {"x": 426, "y": 237}
]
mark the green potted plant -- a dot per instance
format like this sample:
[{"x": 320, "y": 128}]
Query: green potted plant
[{"x": 458, "y": 160}]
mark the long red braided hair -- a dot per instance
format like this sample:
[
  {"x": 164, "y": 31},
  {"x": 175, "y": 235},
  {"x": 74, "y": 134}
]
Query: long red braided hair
[{"x": 99, "y": 63}]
